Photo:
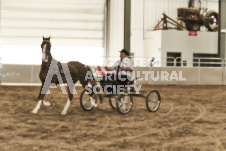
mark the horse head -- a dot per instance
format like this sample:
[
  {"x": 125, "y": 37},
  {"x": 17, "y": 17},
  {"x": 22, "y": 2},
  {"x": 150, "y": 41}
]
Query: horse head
[{"x": 46, "y": 47}]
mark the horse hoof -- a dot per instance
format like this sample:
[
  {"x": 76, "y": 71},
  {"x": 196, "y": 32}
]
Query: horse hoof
[
  {"x": 34, "y": 112},
  {"x": 63, "y": 113},
  {"x": 95, "y": 105}
]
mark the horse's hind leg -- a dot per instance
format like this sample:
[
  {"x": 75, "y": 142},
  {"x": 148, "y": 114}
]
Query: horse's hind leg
[
  {"x": 92, "y": 99},
  {"x": 70, "y": 97}
]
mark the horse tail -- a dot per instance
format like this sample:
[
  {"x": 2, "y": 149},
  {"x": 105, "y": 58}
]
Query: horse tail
[{"x": 93, "y": 83}]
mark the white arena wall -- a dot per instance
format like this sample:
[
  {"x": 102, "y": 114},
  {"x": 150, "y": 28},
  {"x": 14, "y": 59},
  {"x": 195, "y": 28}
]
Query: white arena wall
[
  {"x": 28, "y": 75},
  {"x": 20, "y": 74},
  {"x": 158, "y": 43}
]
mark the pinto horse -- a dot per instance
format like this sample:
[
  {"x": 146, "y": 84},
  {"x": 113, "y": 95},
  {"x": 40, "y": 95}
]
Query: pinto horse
[{"x": 52, "y": 73}]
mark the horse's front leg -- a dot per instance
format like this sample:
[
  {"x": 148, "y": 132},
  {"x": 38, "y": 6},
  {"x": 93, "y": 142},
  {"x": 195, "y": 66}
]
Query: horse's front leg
[
  {"x": 40, "y": 98},
  {"x": 43, "y": 91},
  {"x": 70, "y": 97}
]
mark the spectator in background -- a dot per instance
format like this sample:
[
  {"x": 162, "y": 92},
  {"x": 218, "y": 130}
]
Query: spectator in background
[{"x": 152, "y": 62}]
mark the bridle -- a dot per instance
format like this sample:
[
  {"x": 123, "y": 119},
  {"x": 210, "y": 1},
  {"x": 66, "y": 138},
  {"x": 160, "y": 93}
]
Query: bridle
[{"x": 45, "y": 55}]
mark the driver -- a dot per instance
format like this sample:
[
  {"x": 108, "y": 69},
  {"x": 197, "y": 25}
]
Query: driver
[{"x": 123, "y": 68}]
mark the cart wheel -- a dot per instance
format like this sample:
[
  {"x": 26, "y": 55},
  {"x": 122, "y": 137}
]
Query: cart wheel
[
  {"x": 153, "y": 101},
  {"x": 112, "y": 102},
  {"x": 86, "y": 101},
  {"x": 124, "y": 103}
]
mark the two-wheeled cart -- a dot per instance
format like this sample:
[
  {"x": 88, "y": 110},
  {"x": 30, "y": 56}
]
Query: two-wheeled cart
[{"x": 123, "y": 100}]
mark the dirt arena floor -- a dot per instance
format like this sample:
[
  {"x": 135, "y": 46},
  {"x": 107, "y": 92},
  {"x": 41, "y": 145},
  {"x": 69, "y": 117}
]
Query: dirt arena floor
[{"x": 190, "y": 118}]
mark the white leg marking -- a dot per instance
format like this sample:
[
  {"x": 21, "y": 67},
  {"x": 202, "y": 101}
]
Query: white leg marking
[
  {"x": 35, "y": 111},
  {"x": 92, "y": 100},
  {"x": 46, "y": 103},
  {"x": 64, "y": 112}
]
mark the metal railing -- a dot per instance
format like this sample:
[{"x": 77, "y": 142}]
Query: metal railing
[
  {"x": 201, "y": 62},
  {"x": 179, "y": 62},
  {"x": 157, "y": 62}
]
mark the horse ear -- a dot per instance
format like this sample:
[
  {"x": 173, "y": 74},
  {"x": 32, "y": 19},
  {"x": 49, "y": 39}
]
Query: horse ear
[
  {"x": 49, "y": 38},
  {"x": 43, "y": 37}
]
